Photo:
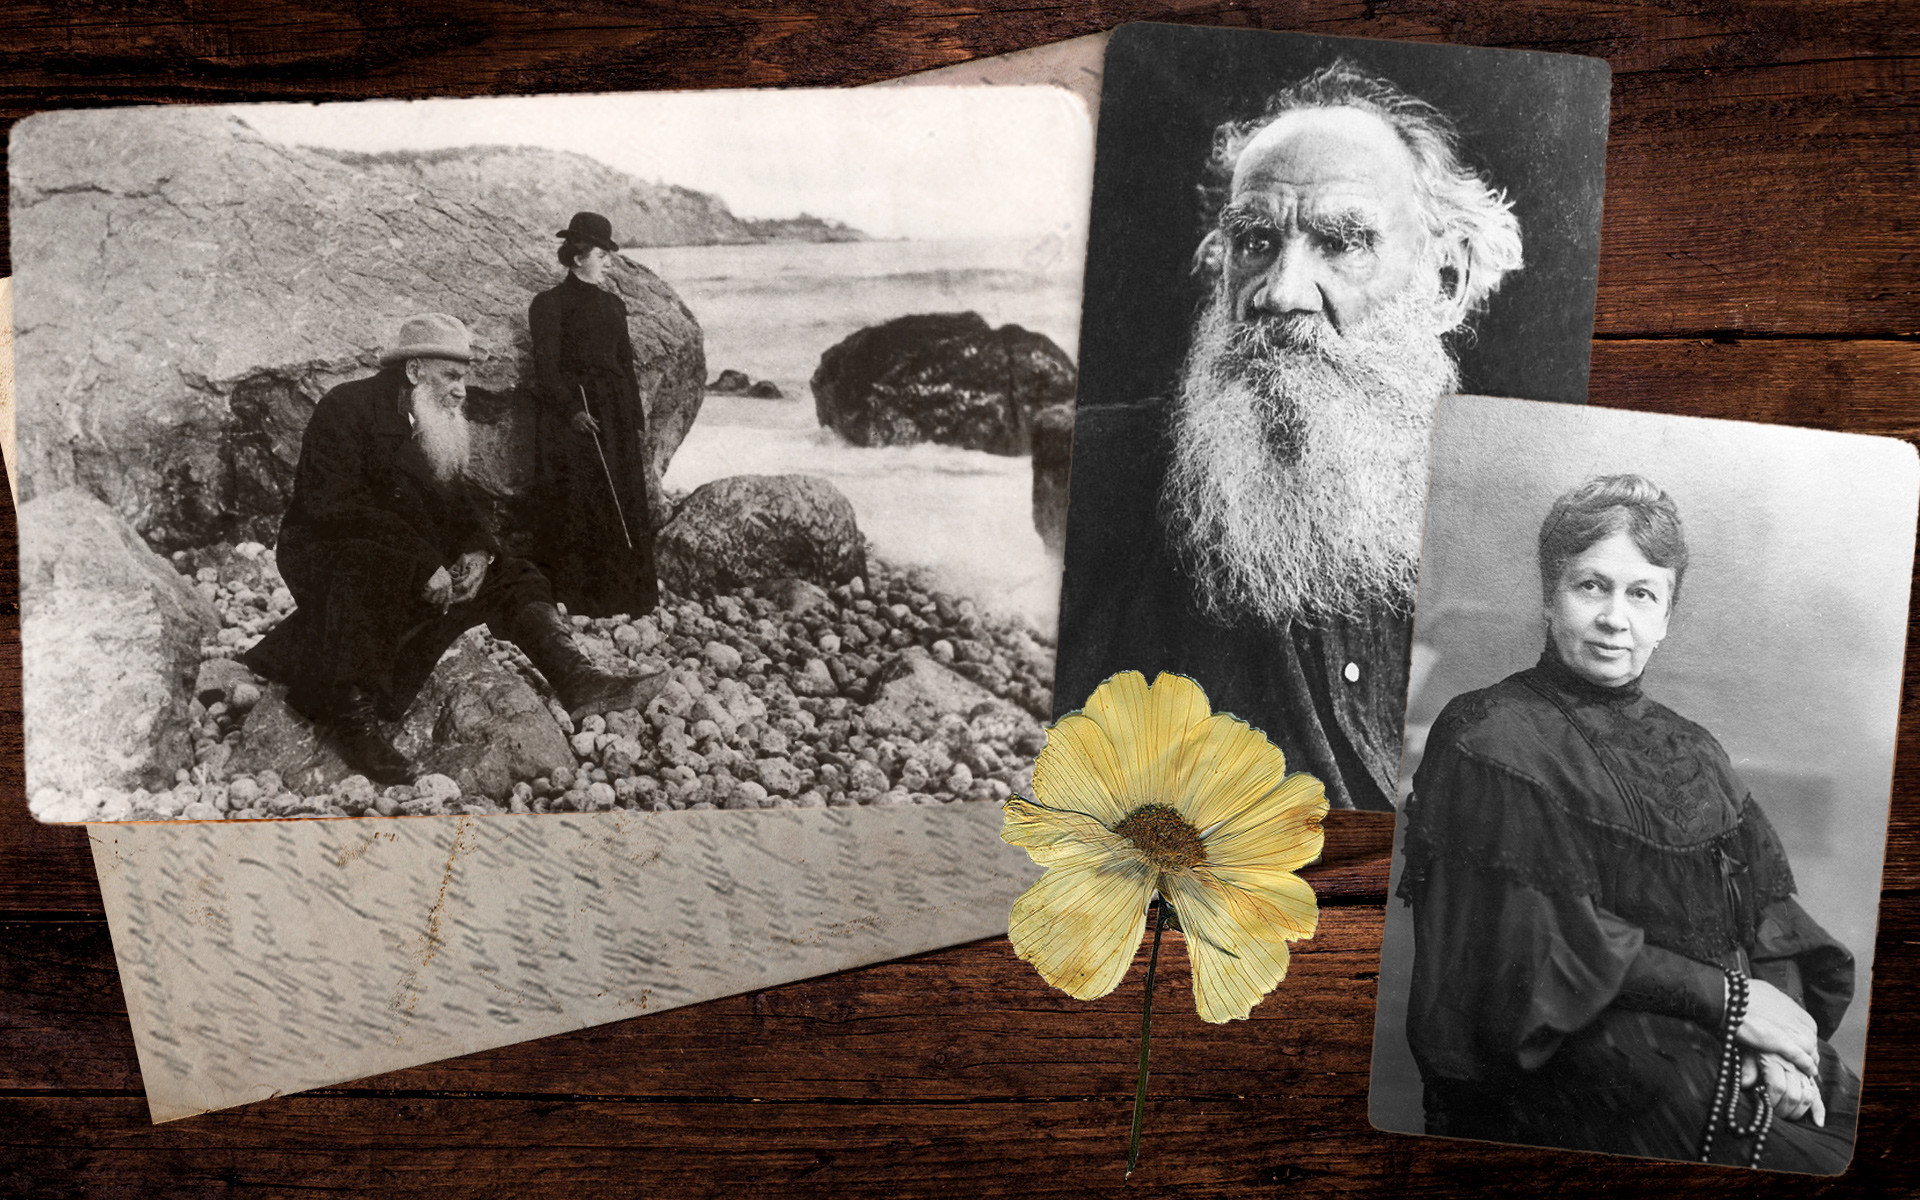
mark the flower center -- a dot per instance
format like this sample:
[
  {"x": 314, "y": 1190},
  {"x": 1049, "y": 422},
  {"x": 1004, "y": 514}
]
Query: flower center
[{"x": 1168, "y": 839}]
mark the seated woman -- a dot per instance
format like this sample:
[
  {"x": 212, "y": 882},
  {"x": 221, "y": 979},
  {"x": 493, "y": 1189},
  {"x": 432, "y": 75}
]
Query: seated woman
[{"x": 1608, "y": 955}]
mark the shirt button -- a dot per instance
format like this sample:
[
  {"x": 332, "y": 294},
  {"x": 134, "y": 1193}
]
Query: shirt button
[{"x": 1352, "y": 673}]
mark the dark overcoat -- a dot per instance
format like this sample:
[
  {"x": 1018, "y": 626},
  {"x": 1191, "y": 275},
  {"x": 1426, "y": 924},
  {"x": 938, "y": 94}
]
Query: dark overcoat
[
  {"x": 583, "y": 357},
  {"x": 367, "y": 527},
  {"x": 1331, "y": 694},
  {"x": 1584, "y": 866}
]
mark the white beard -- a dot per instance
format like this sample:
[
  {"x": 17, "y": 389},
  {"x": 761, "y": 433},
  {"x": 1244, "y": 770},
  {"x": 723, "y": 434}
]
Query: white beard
[
  {"x": 1299, "y": 475},
  {"x": 445, "y": 438}
]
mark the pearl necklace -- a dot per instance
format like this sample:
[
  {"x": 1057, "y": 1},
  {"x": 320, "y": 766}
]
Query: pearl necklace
[{"x": 1725, "y": 1112}]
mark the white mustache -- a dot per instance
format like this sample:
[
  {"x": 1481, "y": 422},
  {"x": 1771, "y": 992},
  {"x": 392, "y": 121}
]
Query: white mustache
[{"x": 1299, "y": 473}]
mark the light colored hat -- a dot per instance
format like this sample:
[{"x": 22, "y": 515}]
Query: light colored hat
[{"x": 430, "y": 335}]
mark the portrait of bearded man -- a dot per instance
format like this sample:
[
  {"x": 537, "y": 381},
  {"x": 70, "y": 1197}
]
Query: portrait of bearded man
[{"x": 1256, "y": 525}]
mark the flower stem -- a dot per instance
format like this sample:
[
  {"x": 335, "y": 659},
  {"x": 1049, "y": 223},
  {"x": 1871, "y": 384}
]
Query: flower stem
[{"x": 1146, "y": 1041}]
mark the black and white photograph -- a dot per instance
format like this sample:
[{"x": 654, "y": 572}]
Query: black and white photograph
[
  {"x": 1650, "y": 736},
  {"x": 1297, "y": 246},
  {"x": 543, "y": 454}
]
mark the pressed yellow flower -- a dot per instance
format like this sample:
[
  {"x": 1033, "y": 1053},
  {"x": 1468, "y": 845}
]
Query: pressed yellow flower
[{"x": 1146, "y": 790}]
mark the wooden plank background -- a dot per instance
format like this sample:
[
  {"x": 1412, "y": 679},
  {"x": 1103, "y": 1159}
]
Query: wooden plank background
[{"x": 1759, "y": 260}]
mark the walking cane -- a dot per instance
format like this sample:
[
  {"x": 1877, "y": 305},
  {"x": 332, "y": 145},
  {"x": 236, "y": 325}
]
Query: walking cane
[{"x": 604, "y": 469}]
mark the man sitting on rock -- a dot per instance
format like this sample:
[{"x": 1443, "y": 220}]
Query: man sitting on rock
[{"x": 389, "y": 560}]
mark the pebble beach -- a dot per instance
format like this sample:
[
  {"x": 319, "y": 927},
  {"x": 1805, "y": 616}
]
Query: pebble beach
[{"x": 777, "y": 699}]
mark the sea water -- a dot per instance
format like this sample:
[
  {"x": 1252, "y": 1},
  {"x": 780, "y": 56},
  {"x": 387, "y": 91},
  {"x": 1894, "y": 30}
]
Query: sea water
[{"x": 772, "y": 310}]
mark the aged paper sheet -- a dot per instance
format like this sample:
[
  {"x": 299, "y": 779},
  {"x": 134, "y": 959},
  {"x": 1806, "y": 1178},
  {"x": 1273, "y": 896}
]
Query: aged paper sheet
[{"x": 261, "y": 958}]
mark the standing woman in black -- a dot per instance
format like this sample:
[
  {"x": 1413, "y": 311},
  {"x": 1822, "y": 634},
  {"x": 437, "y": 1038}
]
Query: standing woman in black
[{"x": 599, "y": 556}]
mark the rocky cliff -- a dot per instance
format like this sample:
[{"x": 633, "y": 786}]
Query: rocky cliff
[
  {"x": 187, "y": 290},
  {"x": 545, "y": 187}
]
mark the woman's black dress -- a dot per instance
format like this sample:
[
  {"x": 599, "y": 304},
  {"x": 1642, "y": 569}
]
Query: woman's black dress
[
  {"x": 582, "y": 354},
  {"x": 1582, "y": 862}
]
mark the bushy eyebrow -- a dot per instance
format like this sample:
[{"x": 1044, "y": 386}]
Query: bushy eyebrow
[
  {"x": 1346, "y": 226},
  {"x": 1244, "y": 215}
]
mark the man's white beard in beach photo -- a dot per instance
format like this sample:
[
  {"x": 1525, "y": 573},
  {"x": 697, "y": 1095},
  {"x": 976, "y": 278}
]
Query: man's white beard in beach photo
[{"x": 443, "y": 433}]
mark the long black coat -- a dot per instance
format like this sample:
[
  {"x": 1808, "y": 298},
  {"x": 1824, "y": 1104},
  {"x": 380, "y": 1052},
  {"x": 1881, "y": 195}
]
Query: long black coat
[
  {"x": 367, "y": 527},
  {"x": 582, "y": 354},
  {"x": 1331, "y": 695}
]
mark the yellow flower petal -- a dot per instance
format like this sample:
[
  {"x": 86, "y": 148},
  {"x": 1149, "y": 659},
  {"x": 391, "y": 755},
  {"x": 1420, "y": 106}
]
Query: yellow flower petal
[
  {"x": 1082, "y": 923},
  {"x": 1232, "y": 766},
  {"x": 1287, "y": 902},
  {"x": 1149, "y": 729},
  {"x": 1077, "y": 770},
  {"x": 1280, "y": 829},
  {"x": 1238, "y": 951},
  {"x": 1135, "y": 746},
  {"x": 1049, "y": 834}
]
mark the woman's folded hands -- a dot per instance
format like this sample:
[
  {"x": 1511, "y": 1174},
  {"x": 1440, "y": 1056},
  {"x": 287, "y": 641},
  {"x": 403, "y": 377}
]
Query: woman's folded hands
[
  {"x": 1783, "y": 1048},
  {"x": 1792, "y": 1092},
  {"x": 1775, "y": 1024}
]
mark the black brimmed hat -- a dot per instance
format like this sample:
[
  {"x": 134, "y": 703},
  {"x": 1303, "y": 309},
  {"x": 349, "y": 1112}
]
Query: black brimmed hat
[{"x": 591, "y": 228}]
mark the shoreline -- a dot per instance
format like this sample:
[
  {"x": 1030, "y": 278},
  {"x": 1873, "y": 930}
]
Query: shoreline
[{"x": 780, "y": 703}]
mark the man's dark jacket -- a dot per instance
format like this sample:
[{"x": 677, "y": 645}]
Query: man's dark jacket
[
  {"x": 1331, "y": 694},
  {"x": 367, "y": 527}
]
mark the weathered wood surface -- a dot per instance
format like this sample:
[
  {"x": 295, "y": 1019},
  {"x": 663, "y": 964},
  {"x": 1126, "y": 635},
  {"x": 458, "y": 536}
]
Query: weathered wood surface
[
  {"x": 905, "y": 1079},
  {"x": 856, "y": 1035},
  {"x": 1758, "y": 261}
]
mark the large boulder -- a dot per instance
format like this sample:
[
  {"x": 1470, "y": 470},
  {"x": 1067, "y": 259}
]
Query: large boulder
[
  {"x": 1052, "y": 469},
  {"x": 941, "y": 377},
  {"x": 752, "y": 528},
  {"x": 475, "y": 721},
  {"x": 110, "y": 649},
  {"x": 188, "y": 289}
]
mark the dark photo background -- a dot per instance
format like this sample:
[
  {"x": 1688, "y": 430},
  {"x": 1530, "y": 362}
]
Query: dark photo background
[
  {"x": 1785, "y": 642},
  {"x": 1535, "y": 124}
]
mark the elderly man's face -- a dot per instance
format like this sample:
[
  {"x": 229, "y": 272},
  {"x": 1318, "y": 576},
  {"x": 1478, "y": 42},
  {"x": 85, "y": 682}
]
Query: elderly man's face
[
  {"x": 439, "y": 415},
  {"x": 1299, "y": 470},
  {"x": 440, "y": 382},
  {"x": 1323, "y": 221}
]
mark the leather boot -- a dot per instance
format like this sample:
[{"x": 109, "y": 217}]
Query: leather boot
[
  {"x": 356, "y": 734},
  {"x": 583, "y": 688}
]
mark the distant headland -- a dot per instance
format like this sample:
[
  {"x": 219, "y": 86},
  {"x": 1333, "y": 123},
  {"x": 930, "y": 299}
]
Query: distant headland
[{"x": 547, "y": 186}]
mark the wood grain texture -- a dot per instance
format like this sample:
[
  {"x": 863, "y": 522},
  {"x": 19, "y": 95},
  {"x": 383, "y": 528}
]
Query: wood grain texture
[
  {"x": 1289, "y": 1141},
  {"x": 1758, "y": 262},
  {"x": 840, "y": 1036},
  {"x": 869, "y": 1083}
]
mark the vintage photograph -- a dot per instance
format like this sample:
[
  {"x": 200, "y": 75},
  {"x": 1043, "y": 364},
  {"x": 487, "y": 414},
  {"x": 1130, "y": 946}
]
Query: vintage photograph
[
  {"x": 550, "y": 454},
  {"x": 1297, "y": 246},
  {"x": 1656, "y": 684}
]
